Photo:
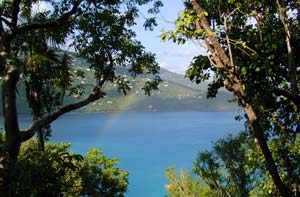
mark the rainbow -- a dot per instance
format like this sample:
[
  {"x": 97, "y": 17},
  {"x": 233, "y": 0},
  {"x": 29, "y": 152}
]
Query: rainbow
[{"x": 122, "y": 107}]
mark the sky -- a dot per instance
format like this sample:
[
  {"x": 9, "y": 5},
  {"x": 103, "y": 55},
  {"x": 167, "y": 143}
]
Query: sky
[{"x": 171, "y": 56}]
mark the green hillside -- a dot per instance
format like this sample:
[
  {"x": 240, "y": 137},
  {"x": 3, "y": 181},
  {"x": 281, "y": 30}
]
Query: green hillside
[{"x": 175, "y": 93}]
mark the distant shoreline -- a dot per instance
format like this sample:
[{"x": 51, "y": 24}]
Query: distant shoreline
[{"x": 141, "y": 111}]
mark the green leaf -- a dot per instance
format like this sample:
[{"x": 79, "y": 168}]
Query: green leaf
[{"x": 244, "y": 70}]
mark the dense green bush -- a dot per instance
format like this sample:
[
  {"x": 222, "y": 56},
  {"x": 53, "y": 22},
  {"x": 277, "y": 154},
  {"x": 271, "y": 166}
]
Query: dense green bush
[{"x": 60, "y": 172}]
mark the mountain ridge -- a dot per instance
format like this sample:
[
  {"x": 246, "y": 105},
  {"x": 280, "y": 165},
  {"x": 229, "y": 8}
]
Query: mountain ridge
[{"x": 175, "y": 93}]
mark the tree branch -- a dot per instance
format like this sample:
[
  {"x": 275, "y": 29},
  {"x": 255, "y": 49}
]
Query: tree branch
[
  {"x": 54, "y": 23},
  {"x": 15, "y": 13},
  {"x": 291, "y": 61},
  {"x": 29, "y": 133},
  {"x": 219, "y": 63},
  {"x": 232, "y": 82},
  {"x": 289, "y": 95},
  {"x": 212, "y": 38},
  {"x": 227, "y": 40}
]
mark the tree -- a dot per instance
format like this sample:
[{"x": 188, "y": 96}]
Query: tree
[
  {"x": 230, "y": 168},
  {"x": 252, "y": 47},
  {"x": 30, "y": 40},
  {"x": 227, "y": 170},
  {"x": 101, "y": 177},
  {"x": 56, "y": 171}
]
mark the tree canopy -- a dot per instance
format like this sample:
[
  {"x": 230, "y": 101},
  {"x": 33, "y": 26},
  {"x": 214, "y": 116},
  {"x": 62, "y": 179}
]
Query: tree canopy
[
  {"x": 252, "y": 49},
  {"x": 31, "y": 43},
  {"x": 56, "y": 171}
]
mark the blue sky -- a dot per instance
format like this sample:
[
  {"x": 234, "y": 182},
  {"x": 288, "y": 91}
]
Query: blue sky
[{"x": 169, "y": 55}]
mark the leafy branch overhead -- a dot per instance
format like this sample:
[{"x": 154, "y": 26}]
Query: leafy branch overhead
[
  {"x": 100, "y": 32},
  {"x": 31, "y": 43}
]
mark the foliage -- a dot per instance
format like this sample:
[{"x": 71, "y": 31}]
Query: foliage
[
  {"x": 99, "y": 31},
  {"x": 227, "y": 168},
  {"x": 31, "y": 43},
  {"x": 287, "y": 172},
  {"x": 184, "y": 185},
  {"x": 58, "y": 171},
  {"x": 100, "y": 177},
  {"x": 231, "y": 168},
  {"x": 252, "y": 49}
]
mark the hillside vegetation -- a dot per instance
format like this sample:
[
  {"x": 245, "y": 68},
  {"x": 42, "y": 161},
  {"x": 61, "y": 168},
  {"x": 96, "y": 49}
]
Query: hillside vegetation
[{"x": 175, "y": 93}]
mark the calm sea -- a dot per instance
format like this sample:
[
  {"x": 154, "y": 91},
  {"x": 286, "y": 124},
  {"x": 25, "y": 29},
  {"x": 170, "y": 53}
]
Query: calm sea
[{"x": 145, "y": 142}]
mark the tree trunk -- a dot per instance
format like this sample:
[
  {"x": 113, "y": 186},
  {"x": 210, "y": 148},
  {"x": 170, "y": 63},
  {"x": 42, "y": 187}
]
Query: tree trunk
[
  {"x": 234, "y": 84},
  {"x": 41, "y": 139},
  {"x": 259, "y": 138},
  {"x": 11, "y": 127}
]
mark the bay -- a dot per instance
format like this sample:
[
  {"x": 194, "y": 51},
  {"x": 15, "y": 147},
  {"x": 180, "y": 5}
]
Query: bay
[{"x": 145, "y": 142}]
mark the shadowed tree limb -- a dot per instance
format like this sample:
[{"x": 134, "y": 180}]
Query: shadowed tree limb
[
  {"x": 38, "y": 124},
  {"x": 54, "y": 23},
  {"x": 295, "y": 98}
]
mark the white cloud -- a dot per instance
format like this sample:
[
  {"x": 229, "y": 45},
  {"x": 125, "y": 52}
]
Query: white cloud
[{"x": 178, "y": 68}]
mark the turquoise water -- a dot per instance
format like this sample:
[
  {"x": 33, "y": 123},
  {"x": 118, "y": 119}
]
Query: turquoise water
[{"x": 146, "y": 142}]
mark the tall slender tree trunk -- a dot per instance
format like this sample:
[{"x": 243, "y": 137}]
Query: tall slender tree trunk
[
  {"x": 260, "y": 139},
  {"x": 12, "y": 131},
  {"x": 234, "y": 84}
]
